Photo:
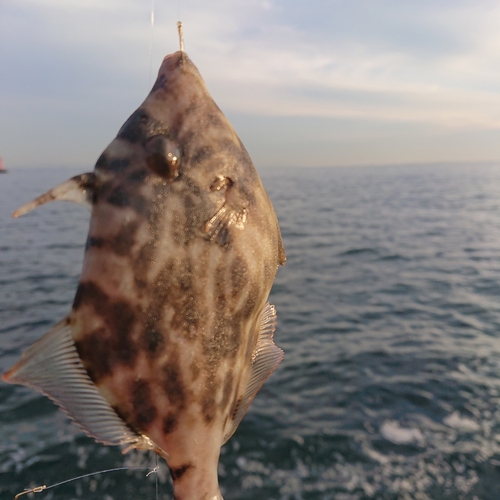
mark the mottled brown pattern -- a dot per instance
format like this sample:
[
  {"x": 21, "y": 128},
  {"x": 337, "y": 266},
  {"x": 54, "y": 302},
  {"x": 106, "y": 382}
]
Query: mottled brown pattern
[
  {"x": 177, "y": 282},
  {"x": 181, "y": 256}
]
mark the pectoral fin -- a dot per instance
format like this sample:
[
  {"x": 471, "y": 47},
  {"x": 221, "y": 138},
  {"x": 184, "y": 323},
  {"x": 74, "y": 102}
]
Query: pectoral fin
[
  {"x": 232, "y": 213},
  {"x": 52, "y": 366},
  {"x": 266, "y": 357},
  {"x": 78, "y": 189},
  {"x": 217, "y": 228}
]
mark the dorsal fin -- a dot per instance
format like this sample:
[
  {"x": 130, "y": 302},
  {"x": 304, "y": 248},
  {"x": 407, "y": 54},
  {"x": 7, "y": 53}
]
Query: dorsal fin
[
  {"x": 265, "y": 358},
  {"x": 52, "y": 366},
  {"x": 78, "y": 189}
]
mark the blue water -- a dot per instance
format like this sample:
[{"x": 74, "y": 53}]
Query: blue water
[{"x": 389, "y": 316}]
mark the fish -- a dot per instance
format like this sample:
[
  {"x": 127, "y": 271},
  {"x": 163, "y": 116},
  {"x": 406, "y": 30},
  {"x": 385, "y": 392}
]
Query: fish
[{"x": 170, "y": 335}]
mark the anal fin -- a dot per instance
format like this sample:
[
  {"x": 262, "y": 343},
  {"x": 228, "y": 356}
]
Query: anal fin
[
  {"x": 52, "y": 366},
  {"x": 78, "y": 189},
  {"x": 265, "y": 358}
]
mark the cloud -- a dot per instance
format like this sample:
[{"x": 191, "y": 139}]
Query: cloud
[{"x": 428, "y": 63}]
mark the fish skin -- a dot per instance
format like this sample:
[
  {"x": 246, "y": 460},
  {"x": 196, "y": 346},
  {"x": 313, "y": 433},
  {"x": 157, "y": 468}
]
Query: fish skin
[{"x": 181, "y": 254}]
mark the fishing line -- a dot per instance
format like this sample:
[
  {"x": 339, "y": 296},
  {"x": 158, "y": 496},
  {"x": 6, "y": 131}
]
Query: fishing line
[
  {"x": 43, "y": 487},
  {"x": 151, "y": 41},
  {"x": 178, "y": 10},
  {"x": 156, "y": 478}
]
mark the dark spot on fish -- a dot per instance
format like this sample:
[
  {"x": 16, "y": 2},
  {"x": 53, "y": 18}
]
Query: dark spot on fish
[
  {"x": 170, "y": 423},
  {"x": 202, "y": 154},
  {"x": 94, "y": 351},
  {"x": 134, "y": 129},
  {"x": 140, "y": 284},
  {"x": 102, "y": 162},
  {"x": 122, "y": 243},
  {"x": 118, "y": 197},
  {"x": 214, "y": 119},
  {"x": 178, "y": 472},
  {"x": 152, "y": 338},
  {"x": 145, "y": 410},
  {"x": 94, "y": 242},
  {"x": 123, "y": 318},
  {"x": 208, "y": 406},
  {"x": 88, "y": 292},
  {"x": 138, "y": 175},
  {"x": 112, "y": 343},
  {"x": 172, "y": 383},
  {"x": 118, "y": 165}
]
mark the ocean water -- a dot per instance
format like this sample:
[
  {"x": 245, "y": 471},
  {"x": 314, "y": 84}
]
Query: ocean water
[{"x": 389, "y": 316}]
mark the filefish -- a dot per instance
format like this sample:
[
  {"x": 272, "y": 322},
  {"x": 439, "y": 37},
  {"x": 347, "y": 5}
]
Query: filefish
[{"x": 170, "y": 335}]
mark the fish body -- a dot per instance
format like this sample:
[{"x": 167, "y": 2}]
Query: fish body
[{"x": 170, "y": 336}]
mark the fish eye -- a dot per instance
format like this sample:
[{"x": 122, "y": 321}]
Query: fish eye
[{"x": 163, "y": 156}]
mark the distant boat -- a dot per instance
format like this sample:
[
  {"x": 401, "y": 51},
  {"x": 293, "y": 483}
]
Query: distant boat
[{"x": 2, "y": 169}]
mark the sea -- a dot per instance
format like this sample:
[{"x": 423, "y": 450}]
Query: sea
[{"x": 389, "y": 316}]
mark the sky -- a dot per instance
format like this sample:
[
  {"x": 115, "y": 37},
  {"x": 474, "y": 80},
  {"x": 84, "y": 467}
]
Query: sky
[{"x": 304, "y": 82}]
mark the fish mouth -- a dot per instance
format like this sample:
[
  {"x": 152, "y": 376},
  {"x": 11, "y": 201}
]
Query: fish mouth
[{"x": 172, "y": 61}]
